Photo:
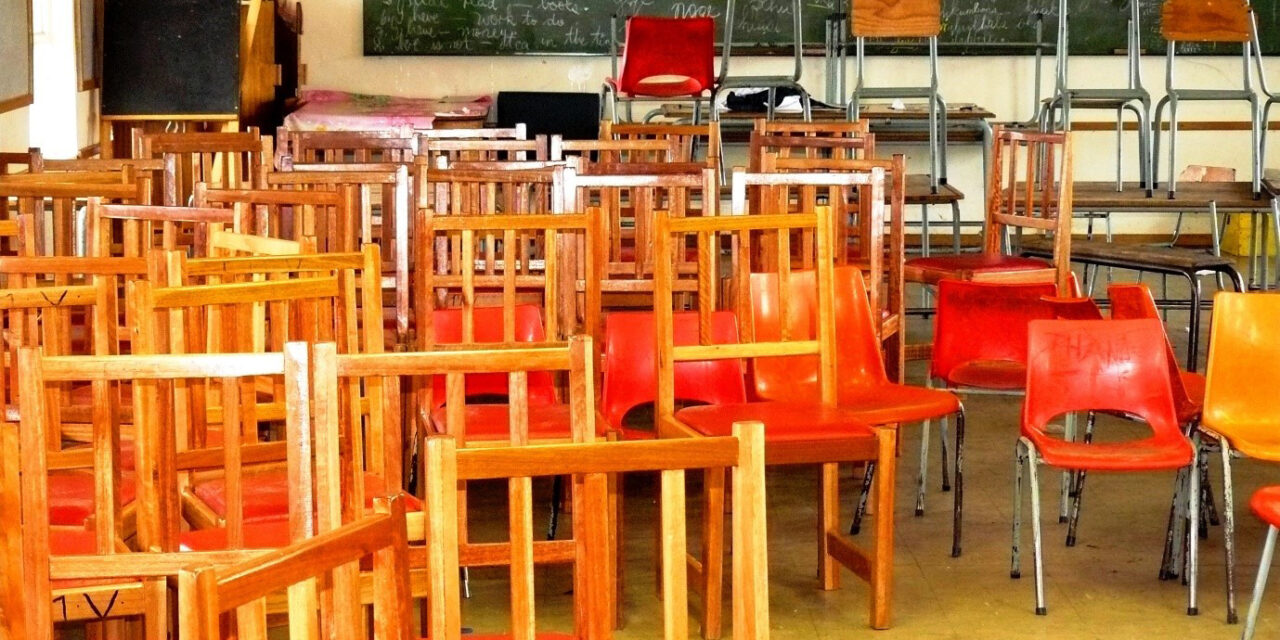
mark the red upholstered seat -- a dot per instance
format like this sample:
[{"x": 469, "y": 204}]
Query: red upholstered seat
[
  {"x": 71, "y": 496},
  {"x": 266, "y": 534},
  {"x": 783, "y": 421},
  {"x": 492, "y": 421},
  {"x": 1266, "y": 505},
  {"x": 266, "y": 495}
]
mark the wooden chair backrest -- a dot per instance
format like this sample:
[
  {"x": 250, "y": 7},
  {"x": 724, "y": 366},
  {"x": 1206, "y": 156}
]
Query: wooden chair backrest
[
  {"x": 52, "y": 205},
  {"x": 384, "y": 193},
  {"x": 859, "y": 147},
  {"x": 133, "y": 230},
  {"x": 686, "y": 137},
  {"x": 341, "y": 147},
  {"x": 210, "y": 593},
  {"x": 1201, "y": 21},
  {"x": 860, "y": 237},
  {"x": 490, "y": 191},
  {"x": 324, "y": 218},
  {"x": 222, "y": 160},
  {"x": 897, "y": 18},
  {"x": 41, "y": 164},
  {"x": 472, "y": 261},
  {"x": 17, "y": 162},
  {"x": 155, "y": 382},
  {"x": 517, "y": 132},
  {"x": 1031, "y": 189},
  {"x": 743, "y": 232},
  {"x": 627, "y": 206},
  {"x": 614, "y": 151},
  {"x": 590, "y": 464},
  {"x": 444, "y": 152}
]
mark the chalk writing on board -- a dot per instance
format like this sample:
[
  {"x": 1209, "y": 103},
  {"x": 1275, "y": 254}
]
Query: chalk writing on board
[{"x": 506, "y": 27}]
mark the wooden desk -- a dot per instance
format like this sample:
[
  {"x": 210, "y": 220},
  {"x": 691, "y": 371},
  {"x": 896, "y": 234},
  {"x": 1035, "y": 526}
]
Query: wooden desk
[{"x": 890, "y": 125}]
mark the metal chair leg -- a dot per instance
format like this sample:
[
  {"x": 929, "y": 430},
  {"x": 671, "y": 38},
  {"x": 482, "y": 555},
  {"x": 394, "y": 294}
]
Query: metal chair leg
[
  {"x": 942, "y": 458},
  {"x": 1168, "y": 565},
  {"x": 1229, "y": 529},
  {"x": 1193, "y": 540},
  {"x": 924, "y": 467},
  {"x": 958, "y": 508},
  {"x": 1015, "y": 557},
  {"x": 867, "y": 477},
  {"x": 1260, "y": 584},
  {"x": 1068, "y": 477},
  {"x": 1077, "y": 492},
  {"x": 1037, "y": 547}
]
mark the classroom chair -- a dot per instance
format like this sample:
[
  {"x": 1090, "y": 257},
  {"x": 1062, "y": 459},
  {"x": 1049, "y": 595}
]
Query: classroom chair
[
  {"x": 726, "y": 81},
  {"x": 662, "y": 59}
]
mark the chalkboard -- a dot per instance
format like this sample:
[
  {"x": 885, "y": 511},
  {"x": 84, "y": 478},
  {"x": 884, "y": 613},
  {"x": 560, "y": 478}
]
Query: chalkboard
[
  {"x": 15, "y": 54},
  {"x": 171, "y": 57},
  {"x": 505, "y": 27},
  {"x": 88, "y": 42}
]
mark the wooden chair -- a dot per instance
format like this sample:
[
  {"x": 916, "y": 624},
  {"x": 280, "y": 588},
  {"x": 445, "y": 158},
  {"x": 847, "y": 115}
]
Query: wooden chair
[
  {"x": 324, "y": 218},
  {"x": 93, "y": 574},
  {"x": 627, "y": 206},
  {"x": 688, "y": 137},
  {"x": 865, "y": 243},
  {"x": 341, "y": 147},
  {"x": 52, "y": 206},
  {"x": 1030, "y": 189},
  {"x": 517, "y": 132},
  {"x": 861, "y": 146},
  {"x": 444, "y": 152},
  {"x": 209, "y": 592},
  {"x": 222, "y": 160},
  {"x": 815, "y": 433},
  {"x": 383, "y": 197},
  {"x": 133, "y": 230},
  {"x": 446, "y": 465}
]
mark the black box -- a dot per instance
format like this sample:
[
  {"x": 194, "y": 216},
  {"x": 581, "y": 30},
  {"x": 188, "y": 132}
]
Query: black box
[{"x": 576, "y": 116}]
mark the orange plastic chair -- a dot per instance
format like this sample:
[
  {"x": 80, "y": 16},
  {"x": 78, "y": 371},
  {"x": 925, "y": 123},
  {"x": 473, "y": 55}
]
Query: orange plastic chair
[
  {"x": 1265, "y": 505},
  {"x": 1240, "y": 412},
  {"x": 663, "y": 58},
  {"x": 980, "y": 337},
  {"x": 862, "y": 384},
  {"x": 1084, "y": 365},
  {"x": 1073, "y": 308},
  {"x": 630, "y": 367}
]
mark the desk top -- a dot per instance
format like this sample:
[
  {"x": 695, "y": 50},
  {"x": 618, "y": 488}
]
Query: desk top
[
  {"x": 1190, "y": 196},
  {"x": 919, "y": 191},
  {"x": 871, "y": 110}
]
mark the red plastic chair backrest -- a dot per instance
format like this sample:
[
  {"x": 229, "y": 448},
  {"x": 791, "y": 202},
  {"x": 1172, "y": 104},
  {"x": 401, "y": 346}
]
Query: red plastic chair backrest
[
  {"x": 630, "y": 363},
  {"x": 657, "y": 46},
  {"x": 1133, "y": 301},
  {"x": 985, "y": 321},
  {"x": 859, "y": 360},
  {"x": 1083, "y": 365},
  {"x": 447, "y": 325},
  {"x": 1073, "y": 308}
]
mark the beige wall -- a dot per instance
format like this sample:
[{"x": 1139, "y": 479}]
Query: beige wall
[{"x": 13, "y": 130}]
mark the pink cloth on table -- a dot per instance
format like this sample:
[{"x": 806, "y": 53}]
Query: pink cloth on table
[{"x": 325, "y": 110}]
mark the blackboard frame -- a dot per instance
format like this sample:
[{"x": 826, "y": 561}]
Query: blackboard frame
[
  {"x": 23, "y": 93},
  {"x": 89, "y": 44}
]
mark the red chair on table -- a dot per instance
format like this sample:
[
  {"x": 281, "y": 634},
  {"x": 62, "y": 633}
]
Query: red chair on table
[
  {"x": 862, "y": 384},
  {"x": 662, "y": 58},
  {"x": 1086, "y": 366}
]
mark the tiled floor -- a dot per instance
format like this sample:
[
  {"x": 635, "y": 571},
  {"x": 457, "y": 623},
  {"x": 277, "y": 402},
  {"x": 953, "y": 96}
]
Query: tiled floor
[{"x": 1105, "y": 587}]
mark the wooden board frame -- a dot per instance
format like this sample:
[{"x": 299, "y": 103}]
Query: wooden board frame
[
  {"x": 88, "y": 34},
  {"x": 19, "y": 100}
]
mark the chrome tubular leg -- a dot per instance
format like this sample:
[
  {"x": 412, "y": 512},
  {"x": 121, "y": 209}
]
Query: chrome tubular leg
[
  {"x": 943, "y": 458},
  {"x": 924, "y": 467},
  {"x": 867, "y": 477},
  {"x": 958, "y": 509},
  {"x": 1168, "y": 565},
  {"x": 1068, "y": 477},
  {"x": 1229, "y": 529},
  {"x": 1037, "y": 548},
  {"x": 1015, "y": 559},
  {"x": 1193, "y": 540},
  {"x": 1260, "y": 584}
]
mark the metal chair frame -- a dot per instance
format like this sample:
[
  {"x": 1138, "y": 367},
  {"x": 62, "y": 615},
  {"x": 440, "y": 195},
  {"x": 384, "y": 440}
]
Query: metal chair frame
[{"x": 771, "y": 82}]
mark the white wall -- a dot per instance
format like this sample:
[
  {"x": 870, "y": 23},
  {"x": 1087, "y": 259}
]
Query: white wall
[
  {"x": 331, "y": 49},
  {"x": 13, "y": 130}
]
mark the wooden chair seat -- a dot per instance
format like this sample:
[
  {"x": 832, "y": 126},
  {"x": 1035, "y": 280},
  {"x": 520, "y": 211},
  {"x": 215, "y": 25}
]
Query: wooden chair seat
[
  {"x": 71, "y": 496},
  {"x": 266, "y": 495},
  {"x": 976, "y": 266},
  {"x": 492, "y": 422}
]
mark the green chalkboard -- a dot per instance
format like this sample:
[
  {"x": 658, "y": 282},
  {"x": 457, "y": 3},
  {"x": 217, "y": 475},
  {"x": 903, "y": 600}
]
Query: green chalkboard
[{"x": 507, "y": 27}]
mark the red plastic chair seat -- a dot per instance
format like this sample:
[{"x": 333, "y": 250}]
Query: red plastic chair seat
[
  {"x": 492, "y": 421},
  {"x": 989, "y": 374},
  {"x": 1266, "y": 505},
  {"x": 1148, "y": 454},
  {"x": 1190, "y": 406},
  {"x": 71, "y": 496},
  {"x": 267, "y": 534},
  {"x": 892, "y": 403},
  {"x": 783, "y": 421},
  {"x": 933, "y": 269},
  {"x": 666, "y": 88},
  {"x": 266, "y": 495}
]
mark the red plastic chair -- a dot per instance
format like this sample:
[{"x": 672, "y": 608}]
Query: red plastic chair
[
  {"x": 1073, "y": 308},
  {"x": 664, "y": 58},
  {"x": 1265, "y": 505},
  {"x": 1133, "y": 301},
  {"x": 863, "y": 384},
  {"x": 980, "y": 337},
  {"x": 1086, "y": 366},
  {"x": 630, "y": 366}
]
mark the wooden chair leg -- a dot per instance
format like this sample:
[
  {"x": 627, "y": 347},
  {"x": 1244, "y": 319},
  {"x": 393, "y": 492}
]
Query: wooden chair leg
[
  {"x": 712, "y": 578},
  {"x": 828, "y": 522},
  {"x": 882, "y": 562}
]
